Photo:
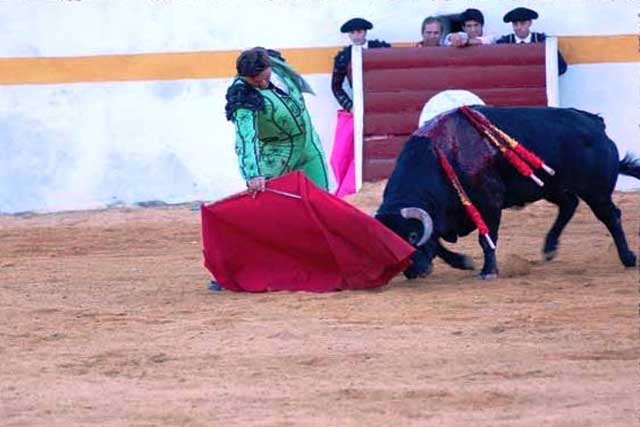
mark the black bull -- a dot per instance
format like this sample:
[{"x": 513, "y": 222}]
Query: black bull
[{"x": 572, "y": 142}]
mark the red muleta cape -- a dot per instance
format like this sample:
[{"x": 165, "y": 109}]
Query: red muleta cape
[{"x": 314, "y": 243}]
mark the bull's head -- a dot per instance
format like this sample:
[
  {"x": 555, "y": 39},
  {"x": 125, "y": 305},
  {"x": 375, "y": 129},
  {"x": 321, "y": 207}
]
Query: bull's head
[{"x": 416, "y": 227}]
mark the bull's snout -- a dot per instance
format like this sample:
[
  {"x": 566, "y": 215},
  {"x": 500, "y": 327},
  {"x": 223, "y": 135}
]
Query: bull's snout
[{"x": 418, "y": 268}]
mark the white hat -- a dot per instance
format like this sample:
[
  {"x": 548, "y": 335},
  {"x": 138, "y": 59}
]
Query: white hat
[{"x": 445, "y": 101}]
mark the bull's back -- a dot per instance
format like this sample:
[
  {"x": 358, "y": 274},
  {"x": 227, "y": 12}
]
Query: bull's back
[{"x": 571, "y": 141}]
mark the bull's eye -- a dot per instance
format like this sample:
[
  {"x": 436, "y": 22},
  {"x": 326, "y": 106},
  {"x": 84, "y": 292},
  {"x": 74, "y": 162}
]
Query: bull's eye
[{"x": 413, "y": 238}]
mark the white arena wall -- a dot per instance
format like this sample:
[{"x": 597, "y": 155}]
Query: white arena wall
[{"x": 87, "y": 145}]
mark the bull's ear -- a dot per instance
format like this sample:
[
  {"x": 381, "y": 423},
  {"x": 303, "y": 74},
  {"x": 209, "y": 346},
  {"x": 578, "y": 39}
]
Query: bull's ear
[{"x": 422, "y": 216}]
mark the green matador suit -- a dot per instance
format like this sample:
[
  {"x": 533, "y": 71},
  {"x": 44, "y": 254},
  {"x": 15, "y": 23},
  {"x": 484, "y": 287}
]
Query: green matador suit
[{"x": 274, "y": 133}]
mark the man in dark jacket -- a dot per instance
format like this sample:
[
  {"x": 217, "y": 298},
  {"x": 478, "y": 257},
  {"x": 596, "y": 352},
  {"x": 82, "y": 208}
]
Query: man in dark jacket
[
  {"x": 357, "y": 29},
  {"x": 521, "y": 19}
]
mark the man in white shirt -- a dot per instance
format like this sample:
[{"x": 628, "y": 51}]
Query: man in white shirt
[{"x": 473, "y": 29}]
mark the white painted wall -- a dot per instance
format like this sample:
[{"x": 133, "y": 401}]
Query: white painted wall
[
  {"x": 613, "y": 91},
  {"x": 81, "y": 27},
  {"x": 87, "y": 145}
]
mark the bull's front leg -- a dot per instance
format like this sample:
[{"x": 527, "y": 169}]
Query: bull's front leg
[{"x": 490, "y": 267}]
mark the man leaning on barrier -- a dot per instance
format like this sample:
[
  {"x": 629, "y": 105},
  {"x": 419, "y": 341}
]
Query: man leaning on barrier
[{"x": 472, "y": 33}]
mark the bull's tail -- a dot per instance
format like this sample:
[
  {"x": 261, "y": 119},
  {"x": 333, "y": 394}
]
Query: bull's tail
[{"x": 630, "y": 166}]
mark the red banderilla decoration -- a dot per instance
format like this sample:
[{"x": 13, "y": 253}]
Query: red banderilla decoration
[
  {"x": 471, "y": 210},
  {"x": 518, "y": 155}
]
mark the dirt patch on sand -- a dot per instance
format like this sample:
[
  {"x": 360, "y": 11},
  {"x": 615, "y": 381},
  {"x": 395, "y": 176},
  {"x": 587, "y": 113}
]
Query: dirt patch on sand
[{"x": 106, "y": 319}]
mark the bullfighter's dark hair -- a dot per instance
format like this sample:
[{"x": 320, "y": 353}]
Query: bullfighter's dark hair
[
  {"x": 241, "y": 94},
  {"x": 472, "y": 15},
  {"x": 252, "y": 62}
]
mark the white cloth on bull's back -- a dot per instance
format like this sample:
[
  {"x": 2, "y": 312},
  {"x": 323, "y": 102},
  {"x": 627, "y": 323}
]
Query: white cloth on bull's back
[{"x": 445, "y": 101}]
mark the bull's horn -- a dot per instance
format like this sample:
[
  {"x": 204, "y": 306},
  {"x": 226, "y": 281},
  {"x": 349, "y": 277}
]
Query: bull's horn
[{"x": 422, "y": 216}]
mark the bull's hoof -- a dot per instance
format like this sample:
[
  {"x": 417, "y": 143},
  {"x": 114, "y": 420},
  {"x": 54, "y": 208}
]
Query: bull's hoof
[
  {"x": 412, "y": 275},
  {"x": 549, "y": 255},
  {"x": 630, "y": 260},
  {"x": 490, "y": 276}
]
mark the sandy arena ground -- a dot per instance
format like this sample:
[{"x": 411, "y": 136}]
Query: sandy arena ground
[{"x": 106, "y": 320}]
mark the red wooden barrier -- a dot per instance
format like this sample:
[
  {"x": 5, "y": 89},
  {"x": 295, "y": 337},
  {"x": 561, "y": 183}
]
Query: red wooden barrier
[{"x": 398, "y": 82}]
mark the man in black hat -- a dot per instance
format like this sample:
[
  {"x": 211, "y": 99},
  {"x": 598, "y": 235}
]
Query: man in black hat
[
  {"x": 356, "y": 29},
  {"x": 521, "y": 19},
  {"x": 473, "y": 29}
]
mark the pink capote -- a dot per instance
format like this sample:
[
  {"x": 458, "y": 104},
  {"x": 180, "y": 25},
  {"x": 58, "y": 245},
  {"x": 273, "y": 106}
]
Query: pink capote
[
  {"x": 342, "y": 156},
  {"x": 313, "y": 243}
]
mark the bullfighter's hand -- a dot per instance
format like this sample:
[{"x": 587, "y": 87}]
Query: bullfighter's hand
[
  {"x": 256, "y": 185},
  {"x": 458, "y": 40}
]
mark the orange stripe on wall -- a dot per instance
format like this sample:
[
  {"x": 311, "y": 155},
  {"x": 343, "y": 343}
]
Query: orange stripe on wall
[
  {"x": 151, "y": 66},
  {"x": 597, "y": 49},
  {"x": 221, "y": 64},
  {"x": 148, "y": 66}
]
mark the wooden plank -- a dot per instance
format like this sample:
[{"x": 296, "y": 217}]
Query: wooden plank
[
  {"x": 441, "y": 78},
  {"x": 377, "y": 169},
  {"x": 412, "y": 101},
  {"x": 384, "y": 147},
  {"x": 530, "y": 54},
  {"x": 391, "y": 123}
]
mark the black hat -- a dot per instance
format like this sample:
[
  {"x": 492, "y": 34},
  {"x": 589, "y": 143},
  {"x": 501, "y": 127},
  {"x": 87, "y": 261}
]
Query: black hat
[
  {"x": 520, "y": 14},
  {"x": 356, "y": 24},
  {"x": 472, "y": 15}
]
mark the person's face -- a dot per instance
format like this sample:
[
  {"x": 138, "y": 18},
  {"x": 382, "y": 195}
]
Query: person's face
[
  {"x": 431, "y": 34},
  {"x": 358, "y": 37},
  {"x": 262, "y": 79},
  {"x": 472, "y": 28},
  {"x": 522, "y": 28}
]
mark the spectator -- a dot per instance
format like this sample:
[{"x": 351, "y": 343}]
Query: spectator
[
  {"x": 473, "y": 31},
  {"x": 274, "y": 133},
  {"x": 357, "y": 29},
  {"x": 431, "y": 32},
  {"x": 521, "y": 19}
]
